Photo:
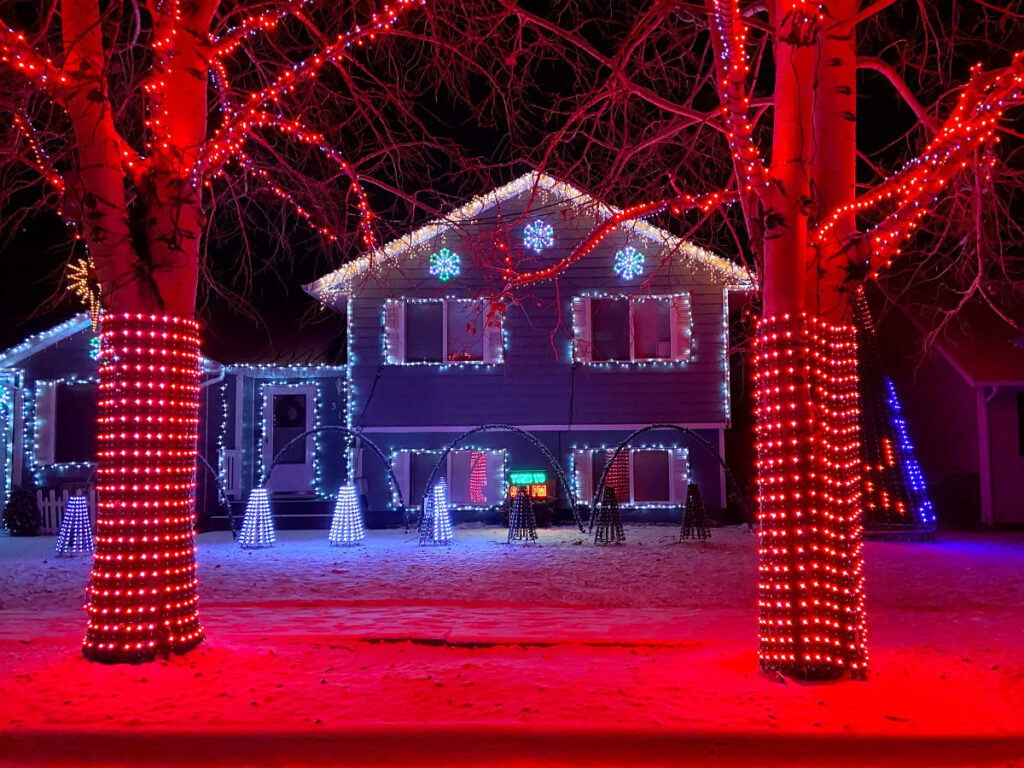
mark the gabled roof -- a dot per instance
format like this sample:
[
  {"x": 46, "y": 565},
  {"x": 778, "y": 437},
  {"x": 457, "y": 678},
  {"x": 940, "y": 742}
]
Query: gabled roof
[
  {"x": 343, "y": 280},
  {"x": 44, "y": 339}
]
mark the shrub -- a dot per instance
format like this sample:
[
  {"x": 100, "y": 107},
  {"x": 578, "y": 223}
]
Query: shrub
[{"x": 21, "y": 515}]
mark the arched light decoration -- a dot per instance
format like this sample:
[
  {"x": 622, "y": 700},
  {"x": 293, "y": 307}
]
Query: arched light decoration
[
  {"x": 629, "y": 263},
  {"x": 538, "y": 235},
  {"x": 347, "y": 526},
  {"x": 436, "y": 526},
  {"x": 445, "y": 264},
  {"x": 75, "y": 535},
  {"x": 258, "y": 523}
]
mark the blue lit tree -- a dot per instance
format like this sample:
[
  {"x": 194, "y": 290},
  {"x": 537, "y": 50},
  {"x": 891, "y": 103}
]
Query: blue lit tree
[
  {"x": 75, "y": 535},
  {"x": 436, "y": 522},
  {"x": 347, "y": 525},
  {"x": 258, "y": 524}
]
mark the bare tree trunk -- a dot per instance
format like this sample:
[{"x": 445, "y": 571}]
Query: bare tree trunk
[
  {"x": 810, "y": 596},
  {"x": 99, "y": 187},
  {"x": 834, "y": 160},
  {"x": 142, "y": 592}
]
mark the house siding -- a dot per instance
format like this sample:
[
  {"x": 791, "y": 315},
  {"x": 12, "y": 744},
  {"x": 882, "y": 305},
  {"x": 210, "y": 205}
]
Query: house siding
[
  {"x": 538, "y": 381},
  {"x": 1007, "y": 465},
  {"x": 373, "y": 485}
]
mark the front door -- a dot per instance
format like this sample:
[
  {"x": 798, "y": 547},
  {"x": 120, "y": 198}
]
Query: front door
[{"x": 287, "y": 414}]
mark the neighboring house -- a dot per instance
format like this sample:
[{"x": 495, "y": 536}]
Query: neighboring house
[
  {"x": 965, "y": 403},
  {"x": 634, "y": 333},
  {"x": 48, "y": 386},
  {"x": 48, "y": 389}
]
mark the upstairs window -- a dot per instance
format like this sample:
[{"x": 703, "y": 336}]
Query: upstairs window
[
  {"x": 634, "y": 329},
  {"x": 441, "y": 332}
]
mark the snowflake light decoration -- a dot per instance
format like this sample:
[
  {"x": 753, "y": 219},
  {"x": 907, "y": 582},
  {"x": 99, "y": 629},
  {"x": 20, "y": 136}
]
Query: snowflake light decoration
[
  {"x": 538, "y": 235},
  {"x": 629, "y": 263},
  {"x": 445, "y": 265}
]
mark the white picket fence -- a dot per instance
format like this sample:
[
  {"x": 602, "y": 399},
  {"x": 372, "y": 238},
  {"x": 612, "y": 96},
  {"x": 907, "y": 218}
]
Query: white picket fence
[{"x": 52, "y": 507}]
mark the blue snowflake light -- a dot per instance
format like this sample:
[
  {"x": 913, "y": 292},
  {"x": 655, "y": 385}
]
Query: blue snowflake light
[
  {"x": 629, "y": 263},
  {"x": 538, "y": 235},
  {"x": 445, "y": 264}
]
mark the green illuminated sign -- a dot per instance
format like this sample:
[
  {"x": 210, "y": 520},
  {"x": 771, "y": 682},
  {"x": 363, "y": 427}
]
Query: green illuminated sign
[{"x": 532, "y": 477}]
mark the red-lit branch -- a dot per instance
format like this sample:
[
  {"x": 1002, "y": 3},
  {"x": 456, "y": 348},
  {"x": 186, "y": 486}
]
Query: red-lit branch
[
  {"x": 19, "y": 56},
  {"x": 166, "y": 21},
  {"x": 676, "y": 205},
  {"x": 296, "y": 130},
  {"x": 911, "y": 190},
  {"x": 734, "y": 69},
  {"x": 305, "y": 70},
  {"x": 228, "y": 43},
  {"x": 39, "y": 158}
]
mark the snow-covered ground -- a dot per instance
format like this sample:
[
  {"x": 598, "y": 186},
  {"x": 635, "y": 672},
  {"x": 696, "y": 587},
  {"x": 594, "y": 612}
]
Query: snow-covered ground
[{"x": 489, "y": 654}]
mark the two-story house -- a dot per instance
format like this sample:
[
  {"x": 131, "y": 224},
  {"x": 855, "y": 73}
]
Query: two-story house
[{"x": 632, "y": 334}]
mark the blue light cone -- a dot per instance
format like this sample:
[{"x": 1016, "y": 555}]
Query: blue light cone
[
  {"x": 436, "y": 527},
  {"x": 75, "y": 535},
  {"x": 347, "y": 526},
  {"x": 258, "y": 523}
]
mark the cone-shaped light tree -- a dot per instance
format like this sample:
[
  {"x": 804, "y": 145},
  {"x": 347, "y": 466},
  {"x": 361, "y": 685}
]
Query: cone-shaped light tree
[{"x": 139, "y": 117}]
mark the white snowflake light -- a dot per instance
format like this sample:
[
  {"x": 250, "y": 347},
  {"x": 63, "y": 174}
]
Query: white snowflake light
[
  {"x": 444, "y": 265},
  {"x": 538, "y": 235},
  {"x": 629, "y": 263}
]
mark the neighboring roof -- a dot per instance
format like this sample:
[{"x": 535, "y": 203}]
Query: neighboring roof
[
  {"x": 341, "y": 280},
  {"x": 983, "y": 348},
  {"x": 44, "y": 339}
]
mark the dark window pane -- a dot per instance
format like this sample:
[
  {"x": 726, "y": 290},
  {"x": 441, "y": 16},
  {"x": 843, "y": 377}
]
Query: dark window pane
[
  {"x": 289, "y": 423},
  {"x": 420, "y": 467},
  {"x": 75, "y": 430},
  {"x": 609, "y": 329},
  {"x": 652, "y": 337},
  {"x": 465, "y": 331},
  {"x": 423, "y": 326},
  {"x": 650, "y": 476}
]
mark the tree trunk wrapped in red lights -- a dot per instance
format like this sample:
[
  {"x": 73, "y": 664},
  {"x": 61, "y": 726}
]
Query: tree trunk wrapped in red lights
[
  {"x": 142, "y": 592},
  {"x": 811, "y": 586}
]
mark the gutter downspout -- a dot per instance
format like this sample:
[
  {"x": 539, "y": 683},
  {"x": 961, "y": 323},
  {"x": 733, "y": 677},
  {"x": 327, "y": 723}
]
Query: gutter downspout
[{"x": 985, "y": 454}]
